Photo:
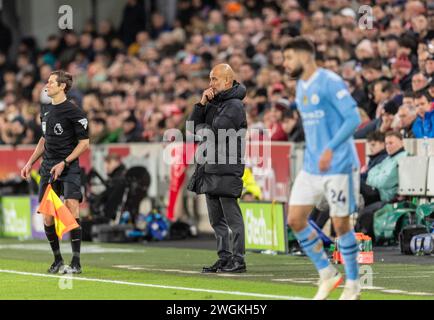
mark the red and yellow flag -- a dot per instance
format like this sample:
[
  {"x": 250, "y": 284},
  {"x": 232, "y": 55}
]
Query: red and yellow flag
[{"x": 52, "y": 205}]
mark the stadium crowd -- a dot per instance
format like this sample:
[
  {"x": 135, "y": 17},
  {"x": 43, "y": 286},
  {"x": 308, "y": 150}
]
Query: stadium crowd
[{"x": 134, "y": 83}]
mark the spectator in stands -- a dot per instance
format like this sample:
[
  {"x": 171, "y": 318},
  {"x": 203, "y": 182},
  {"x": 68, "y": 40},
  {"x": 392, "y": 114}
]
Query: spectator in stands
[
  {"x": 276, "y": 120},
  {"x": 381, "y": 183},
  {"x": 420, "y": 26},
  {"x": 383, "y": 124},
  {"x": 384, "y": 176},
  {"x": 131, "y": 130},
  {"x": 406, "y": 117},
  {"x": 14, "y": 133},
  {"x": 292, "y": 125},
  {"x": 365, "y": 120},
  {"x": 423, "y": 126},
  {"x": 418, "y": 81},
  {"x": 158, "y": 25},
  {"x": 114, "y": 128},
  {"x": 97, "y": 130},
  {"x": 371, "y": 72},
  {"x": 24, "y": 65},
  {"x": 383, "y": 92},
  {"x": 407, "y": 48},
  {"x": 401, "y": 71},
  {"x": 407, "y": 98},
  {"x": 429, "y": 63},
  {"x": 159, "y": 63},
  {"x": 111, "y": 197},
  {"x": 69, "y": 47},
  {"x": 431, "y": 87},
  {"x": 133, "y": 21},
  {"x": 377, "y": 153},
  {"x": 5, "y": 37}
]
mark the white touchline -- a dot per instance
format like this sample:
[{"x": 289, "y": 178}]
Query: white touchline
[{"x": 138, "y": 284}]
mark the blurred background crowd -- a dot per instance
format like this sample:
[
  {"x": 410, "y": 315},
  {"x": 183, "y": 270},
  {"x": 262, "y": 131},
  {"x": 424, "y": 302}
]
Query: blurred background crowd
[{"x": 137, "y": 79}]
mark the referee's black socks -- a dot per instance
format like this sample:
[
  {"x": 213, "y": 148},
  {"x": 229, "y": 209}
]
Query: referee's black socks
[
  {"x": 50, "y": 232},
  {"x": 76, "y": 243}
]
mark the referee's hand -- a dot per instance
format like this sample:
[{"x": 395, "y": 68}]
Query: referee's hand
[
  {"x": 57, "y": 170},
  {"x": 25, "y": 172}
]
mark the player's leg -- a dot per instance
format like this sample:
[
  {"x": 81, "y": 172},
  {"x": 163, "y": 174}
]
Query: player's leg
[
  {"x": 349, "y": 250},
  {"x": 234, "y": 218},
  {"x": 220, "y": 226},
  {"x": 306, "y": 192},
  {"x": 74, "y": 206},
  {"x": 50, "y": 231},
  {"x": 73, "y": 197},
  {"x": 343, "y": 203}
]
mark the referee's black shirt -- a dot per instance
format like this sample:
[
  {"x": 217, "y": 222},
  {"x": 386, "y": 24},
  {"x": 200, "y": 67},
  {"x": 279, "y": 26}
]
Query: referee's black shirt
[{"x": 63, "y": 125}]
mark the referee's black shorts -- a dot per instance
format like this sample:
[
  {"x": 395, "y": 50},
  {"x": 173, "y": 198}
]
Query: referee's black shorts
[
  {"x": 68, "y": 185},
  {"x": 69, "y": 189}
]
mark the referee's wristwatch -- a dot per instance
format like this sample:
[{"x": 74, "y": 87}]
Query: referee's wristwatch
[{"x": 66, "y": 163}]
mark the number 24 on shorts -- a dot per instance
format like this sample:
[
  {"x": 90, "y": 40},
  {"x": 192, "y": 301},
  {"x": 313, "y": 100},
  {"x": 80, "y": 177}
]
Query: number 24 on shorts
[{"x": 337, "y": 197}]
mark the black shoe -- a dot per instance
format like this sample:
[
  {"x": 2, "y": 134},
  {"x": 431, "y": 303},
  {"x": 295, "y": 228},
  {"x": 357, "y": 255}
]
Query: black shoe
[
  {"x": 236, "y": 266},
  {"x": 73, "y": 268},
  {"x": 220, "y": 263},
  {"x": 55, "y": 267}
]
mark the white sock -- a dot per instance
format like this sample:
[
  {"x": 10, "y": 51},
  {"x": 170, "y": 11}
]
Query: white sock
[
  {"x": 352, "y": 283},
  {"x": 327, "y": 272}
]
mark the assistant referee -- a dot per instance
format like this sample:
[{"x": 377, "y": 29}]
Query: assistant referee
[{"x": 65, "y": 137}]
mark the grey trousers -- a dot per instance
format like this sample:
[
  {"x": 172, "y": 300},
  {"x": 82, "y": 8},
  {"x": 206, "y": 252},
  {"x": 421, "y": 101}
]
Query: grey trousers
[{"x": 224, "y": 214}]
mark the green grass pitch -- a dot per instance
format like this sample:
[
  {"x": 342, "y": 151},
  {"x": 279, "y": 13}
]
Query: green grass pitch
[{"x": 135, "y": 271}]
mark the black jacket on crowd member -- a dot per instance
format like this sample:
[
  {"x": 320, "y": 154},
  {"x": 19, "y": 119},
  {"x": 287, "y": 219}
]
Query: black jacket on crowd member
[
  {"x": 115, "y": 190},
  {"x": 405, "y": 82},
  {"x": 112, "y": 196},
  {"x": 133, "y": 20},
  {"x": 297, "y": 133},
  {"x": 373, "y": 161},
  {"x": 407, "y": 133},
  {"x": 365, "y": 98},
  {"x": 225, "y": 111},
  {"x": 5, "y": 37},
  {"x": 371, "y": 126}
]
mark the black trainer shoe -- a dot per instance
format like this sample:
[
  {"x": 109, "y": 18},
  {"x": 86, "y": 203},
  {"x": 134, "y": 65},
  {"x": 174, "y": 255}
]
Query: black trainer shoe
[
  {"x": 73, "y": 268},
  {"x": 220, "y": 263},
  {"x": 235, "y": 266},
  {"x": 55, "y": 267}
]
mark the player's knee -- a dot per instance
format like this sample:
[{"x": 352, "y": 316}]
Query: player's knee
[
  {"x": 341, "y": 226},
  {"x": 295, "y": 223},
  {"x": 71, "y": 202},
  {"x": 48, "y": 220},
  {"x": 73, "y": 205},
  {"x": 297, "y": 218}
]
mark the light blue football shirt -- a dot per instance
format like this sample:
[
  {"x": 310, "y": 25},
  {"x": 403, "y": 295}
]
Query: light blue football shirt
[{"x": 330, "y": 117}]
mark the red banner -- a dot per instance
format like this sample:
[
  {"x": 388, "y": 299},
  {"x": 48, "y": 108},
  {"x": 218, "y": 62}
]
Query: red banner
[
  {"x": 361, "y": 151},
  {"x": 12, "y": 160},
  {"x": 178, "y": 169}
]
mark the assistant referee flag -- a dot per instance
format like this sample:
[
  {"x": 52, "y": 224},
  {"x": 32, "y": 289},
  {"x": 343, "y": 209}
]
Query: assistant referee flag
[{"x": 52, "y": 205}]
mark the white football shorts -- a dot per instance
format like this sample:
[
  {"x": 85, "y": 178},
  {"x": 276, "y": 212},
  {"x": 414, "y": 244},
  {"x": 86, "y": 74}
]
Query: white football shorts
[{"x": 340, "y": 190}]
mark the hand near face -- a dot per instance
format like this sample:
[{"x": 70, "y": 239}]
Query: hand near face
[{"x": 207, "y": 95}]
